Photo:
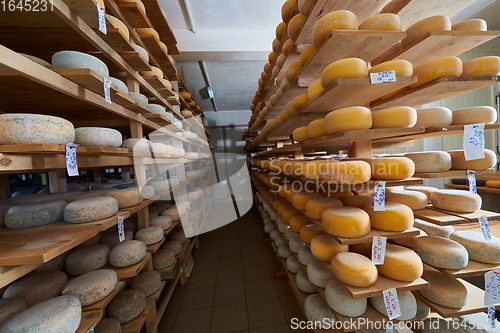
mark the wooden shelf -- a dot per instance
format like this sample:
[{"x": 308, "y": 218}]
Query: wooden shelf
[
  {"x": 155, "y": 82},
  {"x": 131, "y": 271},
  {"x": 157, "y": 294},
  {"x": 474, "y": 268},
  {"x": 137, "y": 62},
  {"x": 373, "y": 233},
  {"x": 11, "y": 273},
  {"x": 134, "y": 14},
  {"x": 479, "y": 188},
  {"x": 471, "y": 217},
  {"x": 102, "y": 304},
  {"x": 89, "y": 320},
  {"x": 135, "y": 325},
  {"x": 384, "y": 283},
  {"x": 435, "y": 91},
  {"x": 437, "y": 217},
  {"x": 450, "y": 173},
  {"x": 154, "y": 247},
  {"x": 37, "y": 148},
  {"x": 167, "y": 269}
]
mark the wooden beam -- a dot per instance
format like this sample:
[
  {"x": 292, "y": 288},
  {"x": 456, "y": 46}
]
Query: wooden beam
[
  {"x": 57, "y": 181},
  {"x": 4, "y": 187}
]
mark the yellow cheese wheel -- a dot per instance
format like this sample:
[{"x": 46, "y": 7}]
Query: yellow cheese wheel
[
  {"x": 427, "y": 190},
  {"x": 459, "y": 163},
  {"x": 401, "y": 67},
  {"x": 154, "y": 71},
  {"x": 419, "y": 29},
  {"x": 324, "y": 247},
  {"x": 396, "y": 217},
  {"x": 290, "y": 109},
  {"x": 337, "y": 195},
  {"x": 267, "y": 66},
  {"x": 306, "y": 54},
  {"x": 474, "y": 115},
  {"x": 364, "y": 249},
  {"x": 314, "y": 89},
  {"x": 441, "y": 252},
  {"x": 300, "y": 100},
  {"x": 163, "y": 47},
  {"x": 275, "y": 44},
  {"x": 434, "y": 117},
  {"x": 336, "y": 20},
  {"x": 284, "y": 189},
  {"x": 357, "y": 200},
  {"x": 305, "y": 6},
  {"x": 316, "y": 128},
  {"x": 116, "y": 23},
  {"x": 279, "y": 202},
  {"x": 403, "y": 116},
  {"x": 412, "y": 199},
  {"x": 354, "y": 269},
  {"x": 301, "y": 134},
  {"x": 316, "y": 206},
  {"x": 346, "y": 222},
  {"x": 280, "y": 61},
  {"x": 301, "y": 199},
  {"x": 401, "y": 264},
  {"x": 348, "y": 172},
  {"x": 484, "y": 66},
  {"x": 493, "y": 183},
  {"x": 287, "y": 46},
  {"x": 283, "y": 208},
  {"x": 275, "y": 71},
  {"x": 148, "y": 31},
  {"x": 386, "y": 21},
  {"x": 430, "y": 161},
  {"x": 280, "y": 29},
  {"x": 444, "y": 290},
  {"x": 294, "y": 190},
  {"x": 456, "y": 200},
  {"x": 297, "y": 222},
  {"x": 392, "y": 168},
  {"x": 287, "y": 9},
  {"x": 309, "y": 231},
  {"x": 292, "y": 71},
  {"x": 289, "y": 213},
  {"x": 295, "y": 25},
  {"x": 344, "y": 68},
  {"x": 436, "y": 68},
  {"x": 271, "y": 56},
  {"x": 346, "y": 119},
  {"x": 471, "y": 25}
]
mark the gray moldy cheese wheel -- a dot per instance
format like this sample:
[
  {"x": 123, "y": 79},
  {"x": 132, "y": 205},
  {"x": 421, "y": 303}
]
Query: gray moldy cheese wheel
[
  {"x": 147, "y": 282},
  {"x": 61, "y": 314},
  {"x": 127, "y": 253},
  {"x": 92, "y": 287},
  {"x": 73, "y": 196},
  {"x": 37, "y": 288},
  {"x": 341, "y": 301},
  {"x": 172, "y": 212},
  {"x": 175, "y": 246},
  {"x": 3, "y": 209},
  {"x": 432, "y": 229},
  {"x": 441, "y": 252},
  {"x": 91, "y": 209},
  {"x": 178, "y": 236},
  {"x": 459, "y": 163},
  {"x": 137, "y": 145},
  {"x": 108, "y": 325},
  {"x": 25, "y": 128},
  {"x": 284, "y": 251},
  {"x": 160, "y": 185},
  {"x": 293, "y": 265},
  {"x": 127, "y": 198},
  {"x": 98, "y": 136},
  {"x": 147, "y": 191},
  {"x": 407, "y": 302},
  {"x": 151, "y": 235},
  {"x": 456, "y": 200},
  {"x": 111, "y": 239},
  {"x": 9, "y": 307},
  {"x": 163, "y": 259},
  {"x": 75, "y": 59},
  {"x": 304, "y": 284},
  {"x": 305, "y": 255},
  {"x": 318, "y": 273},
  {"x": 478, "y": 248},
  {"x": 127, "y": 306},
  {"x": 430, "y": 161},
  {"x": 316, "y": 309},
  {"x": 444, "y": 290},
  {"x": 87, "y": 259},
  {"x": 34, "y": 215},
  {"x": 163, "y": 222}
]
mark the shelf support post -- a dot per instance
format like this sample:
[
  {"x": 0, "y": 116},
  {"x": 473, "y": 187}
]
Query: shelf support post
[
  {"x": 361, "y": 149},
  {"x": 57, "y": 181},
  {"x": 4, "y": 187}
]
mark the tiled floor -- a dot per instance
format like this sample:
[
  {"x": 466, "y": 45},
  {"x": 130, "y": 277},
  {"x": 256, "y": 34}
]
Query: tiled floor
[{"x": 232, "y": 287}]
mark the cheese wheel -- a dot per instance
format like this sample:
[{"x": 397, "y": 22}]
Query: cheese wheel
[
  {"x": 412, "y": 199},
  {"x": 314, "y": 89},
  {"x": 24, "y": 128},
  {"x": 279, "y": 63},
  {"x": 282, "y": 208},
  {"x": 427, "y": 190},
  {"x": 456, "y": 200},
  {"x": 357, "y": 200},
  {"x": 441, "y": 252},
  {"x": 316, "y": 310},
  {"x": 324, "y": 247},
  {"x": 346, "y": 222},
  {"x": 287, "y": 9},
  {"x": 434, "y": 117},
  {"x": 306, "y": 54},
  {"x": 471, "y": 25},
  {"x": 309, "y": 231},
  {"x": 289, "y": 213},
  {"x": 401, "y": 264},
  {"x": 291, "y": 193},
  {"x": 292, "y": 71},
  {"x": 300, "y": 100},
  {"x": 278, "y": 203},
  {"x": 392, "y": 168},
  {"x": 304, "y": 255},
  {"x": 318, "y": 273},
  {"x": 493, "y": 183},
  {"x": 92, "y": 287},
  {"x": 295, "y": 25},
  {"x": 341, "y": 301},
  {"x": 316, "y": 128},
  {"x": 336, "y": 20},
  {"x": 74, "y": 59},
  {"x": 90, "y": 209},
  {"x": 444, "y": 290},
  {"x": 479, "y": 249},
  {"x": 275, "y": 45},
  {"x": 290, "y": 109},
  {"x": 346, "y": 119},
  {"x": 127, "y": 197},
  {"x": 348, "y": 172},
  {"x": 295, "y": 243},
  {"x": 396, "y": 217},
  {"x": 143, "y": 53},
  {"x": 284, "y": 251},
  {"x": 436, "y": 68},
  {"x": 401, "y": 67},
  {"x": 287, "y": 46},
  {"x": 386, "y": 21},
  {"x": 305, "y": 6},
  {"x": 31, "y": 215},
  {"x": 301, "y": 134},
  {"x": 316, "y": 206},
  {"x": 474, "y": 115},
  {"x": 98, "y": 136},
  {"x": 459, "y": 163},
  {"x": 420, "y": 29},
  {"x": 127, "y": 305},
  {"x": 408, "y": 241},
  {"x": 337, "y": 195},
  {"x": 433, "y": 229},
  {"x": 304, "y": 284},
  {"x": 403, "y": 116},
  {"x": 484, "y": 66},
  {"x": 353, "y": 269},
  {"x": 300, "y": 200},
  {"x": 430, "y": 161},
  {"x": 117, "y": 24},
  {"x": 37, "y": 60},
  {"x": 344, "y": 68},
  {"x": 293, "y": 264},
  {"x": 407, "y": 304}
]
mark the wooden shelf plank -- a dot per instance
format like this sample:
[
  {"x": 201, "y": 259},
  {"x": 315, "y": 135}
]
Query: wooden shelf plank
[
  {"x": 384, "y": 283},
  {"x": 435, "y": 91},
  {"x": 134, "y": 14},
  {"x": 100, "y": 225},
  {"x": 471, "y": 217},
  {"x": 116, "y": 39},
  {"x": 154, "y": 47},
  {"x": 99, "y": 306},
  {"x": 474, "y": 268},
  {"x": 154, "y": 81},
  {"x": 373, "y": 233},
  {"x": 131, "y": 271},
  {"x": 449, "y": 173},
  {"x": 154, "y": 247},
  {"x": 89, "y": 320},
  {"x": 135, "y": 325},
  {"x": 157, "y": 294},
  {"x": 137, "y": 62},
  {"x": 438, "y": 218},
  {"x": 11, "y": 273},
  {"x": 45, "y": 148},
  {"x": 479, "y": 188}
]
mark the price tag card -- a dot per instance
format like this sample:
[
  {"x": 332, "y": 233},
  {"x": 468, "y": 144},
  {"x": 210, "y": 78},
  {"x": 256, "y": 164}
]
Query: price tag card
[
  {"x": 121, "y": 229},
  {"x": 379, "y": 197},
  {"x": 107, "y": 90},
  {"x": 91, "y": 330},
  {"x": 485, "y": 227},
  {"x": 492, "y": 316},
  {"x": 387, "y": 76},
  {"x": 471, "y": 175},
  {"x": 391, "y": 303},
  {"x": 71, "y": 164},
  {"x": 492, "y": 287},
  {"x": 474, "y": 141},
  {"x": 389, "y": 327},
  {"x": 101, "y": 17},
  {"x": 378, "y": 250}
]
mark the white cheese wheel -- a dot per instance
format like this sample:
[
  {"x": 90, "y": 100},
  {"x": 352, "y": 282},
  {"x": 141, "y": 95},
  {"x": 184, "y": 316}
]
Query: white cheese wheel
[
  {"x": 434, "y": 117},
  {"x": 284, "y": 251},
  {"x": 90, "y": 209},
  {"x": 92, "y": 287},
  {"x": 293, "y": 264},
  {"x": 459, "y": 163},
  {"x": 456, "y": 200},
  {"x": 430, "y": 161},
  {"x": 74, "y": 59},
  {"x": 318, "y": 273},
  {"x": 479, "y": 249},
  {"x": 295, "y": 243},
  {"x": 423, "y": 311},
  {"x": 98, "y": 136},
  {"x": 304, "y": 284},
  {"x": 268, "y": 227},
  {"x": 143, "y": 53},
  {"x": 427, "y": 190},
  {"x": 444, "y": 290},
  {"x": 441, "y": 252},
  {"x": 316, "y": 310},
  {"x": 407, "y": 303},
  {"x": 433, "y": 229},
  {"x": 127, "y": 197},
  {"x": 157, "y": 108},
  {"x": 151, "y": 235},
  {"x": 274, "y": 234},
  {"x": 136, "y": 145},
  {"x": 139, "y": 98},
  {"x": 122, "y": 87},
  {"x": 341, "y": 301},
  {"x": 9, "y": 307},
  {"x": 279, "y": 241},
  {"x": 474, "y": 115},
  {"x": 305, "y": 255},
  {"x": 413, "y": 199}
]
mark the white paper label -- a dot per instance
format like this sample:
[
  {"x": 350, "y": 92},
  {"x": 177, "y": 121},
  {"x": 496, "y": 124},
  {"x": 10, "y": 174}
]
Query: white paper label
[
  {"x": 378, "y": 250},
  {"x": 485, "y": 228},
  {"x": 389, "y": 327},
  {"x": 121, "y": 229},
  {"x": 91, "y": 330},
  {"x": 101, "y": 17},
  {"x": 387, "y": 76},
  {"x": 71, "y": 164},
  {"x": 107, "y": 90},
  {"x": 471, "y": 175},
  {"x": 492, "y": 287},
  {"x": 474, "y": 141},
  {"x": 379, "y": 197},
  {"x": 391, "y": 303},
  {"x": 492, "y": 316}
]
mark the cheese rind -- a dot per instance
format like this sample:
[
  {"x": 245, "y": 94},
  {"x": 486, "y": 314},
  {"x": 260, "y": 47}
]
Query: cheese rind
[
  {"x": 401, "y": 67},
  {"x": 471, "y": 25},
  {"x": 459, "y": 163},
  {"x": 309, "y": 231},
  {"x": 314, "y": 89},
  {"x": 303, "y": 283},
  {"x": 348, "y": 172},
  {"x": 301, "y": 199},
  {"x": 34, "y": 214},
  {"x": 347, "y": 222},
  {"x": 412, "y": 199},
  {"x": 479, "y": 249},
  {"x": 346, "y": 119},
  {"x": 98, "y": 136},
  {"x": 324, "y": 247},
  {"x": 436, "y": 68},
  {"x": 386, "y": 21},
  {"x": 344, "y": 68},
  {"x": 316, "y": 206},
  {"x": 407, "y": 304},
  {"x": 301, "y": 134},
  {"x": 74, "y": 59},
  {"x": 341, "y": 301},
  {"x": 444, "y": 290},
  {"x": 318, "y": 273},
  {"x": 90, "y": 209},
  {"x": 403, "y": 116},
  {"x": 420, "y": 28},
  {"x": 287, "y": 9},
  {"x": 396, "y": 217},
  {"x": 316, "y": 310},
  {"x": 441, "y": 252},
  {"x": 401, "y": 264},
  {"x": 316, "y": 128},
  {"x": 292, "y": 71},
  {"x": 474, "y": 115},
  {"x": 392, "y": 168},
  {"x": 353, "y": 269},
  {"x": 92, "y": 287},
  {"x": 336, "y": 20},
  {"x": 430, "y": 161},
  {"x": 295, "y": 24},
  {"x": 427, "y": 190},
  {"x": 484, "y": 66},
  {"x": 434, "y": 117},
  {"x": 306, "y": 54},
  {"x": 433, "y": 229},
  {"x": 456, "y": 200}
]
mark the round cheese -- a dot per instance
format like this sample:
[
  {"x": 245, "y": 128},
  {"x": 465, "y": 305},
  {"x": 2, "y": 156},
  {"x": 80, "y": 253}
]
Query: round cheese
[
  {"x": 427, "y": 190},
  {"x": 304, "y": 255},
  {"x": 456, "y": 200},
  {"x": 433, "y": 229},
  {"x": 163, "y": 259},
  {"x": 295, "y": 25},
  {"x": 289, "y": 213},
  {"x": 293, "y": 264},
  {"x": 140, "y": 99},
  {"x": 297, "y": 222},
  {"x": 9, "y": 307},
  {"x": 117, "y": 24},
  {"x": 151, "y": 235},
  {"x": 430, "y": 161},
  {"x": 127, "y": 197},
  {"x": 444, "y": 290},
  {"x": 87, "y": 259},
  {"x": 347, "y": 119},
  {"x": 318, "y": 273},
  {"x": 90, "y": 209},
  {"x": 484, "y": 66},
  {"x": 74, "y": 59},
  {"x": 340, "y": 300},
  {"x": 280, "y": 240},
  {"x": 336, "y": 20},
  {"x": 345, "y": 172},
  {"x": 392, "y": 168},
  {"x": 127, "y": 253},
  {"x": 479, "y": 249},
  {"x": 287, "y": 46},
  {"x": 403, "y": 116},
  {"x": 309, "y": 231},
  {"x": 92, "y": 287},
  {"x": 353, "y": 269},
  {"x": 300, "y": 100},
  {"x": 401, "y": 264},
  {"x": 175, "y": 246},
  {"x": 315, "y": 207},
  {"x": 306, "y": 54},
  {"x": 314, "y": 89},
  {"x": 396, "y": 217},
  {"x": 316, "y": 310},
  {"x": 127, "y": 305},
  {"x": 436, "y": 68},
  {"x": 401, "y": 67},
  {"x": 423, "y": 311},
  {"x": 37, "y": 60},
  {"x": 420, "y": 28},
  {"x": 412, "y": 199},
  {"x": 474, "y": 115},
  {"x": 407, "y": 304},
  {"x": 305, "y": 6},
  {"x": 357, "y": 200},
  {"x": 394, "y": 6},
  {"x": 304, "y": 284},
  {"x": 441, "y": 252},
  {"x": 292, "y": 71},
  {"x": 324, "y": 247},
  {"x": 434, "y": 117},
  {"x": 284, "y": 251},
  {"x": 346, "y": 222},
  {"x": 143, "y": 53},
  {"x": 136, "y": 145},
  {"x": 489, "y": 183},
  {"x": 344, "y": 68},
  {"x": 316, "y": 128},
  {"x": 98, "y": 136},
  {"x": 34, "y": 214},
  {"x": 295, "y": 243},
  {"x": 386, "y": 21},
  {"x": 108, "y": 325},
  {"x": 301, "y": 134},
  {"x": 301, "y": 199},
  {"x": 471, "y": 25},
  {"x": 287, "y": 9}
]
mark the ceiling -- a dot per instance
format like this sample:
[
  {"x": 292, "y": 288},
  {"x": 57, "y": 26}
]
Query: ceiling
[{"x": 225, "y": 44}]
